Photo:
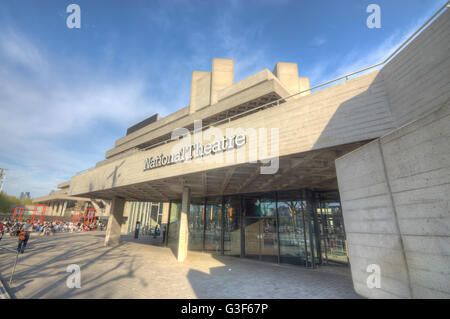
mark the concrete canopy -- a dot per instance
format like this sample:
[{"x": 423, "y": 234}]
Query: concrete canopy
[{"x": 314, "y": 169}]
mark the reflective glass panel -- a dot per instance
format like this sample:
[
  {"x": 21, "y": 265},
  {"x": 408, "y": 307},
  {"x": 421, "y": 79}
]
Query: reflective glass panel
[
  {"x": 213, "y": 225},
  {"x": 293, "y": 237},
  {"x": 196, "y": 225},
  {"x": 173, "y": 230},
  {"x": 232, "y": 232}
]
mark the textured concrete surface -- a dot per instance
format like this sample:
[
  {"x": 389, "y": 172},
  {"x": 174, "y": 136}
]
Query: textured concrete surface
[
  {"x": 139, "y": 270},
  {"x": 395, "y": 199},
  {"x": 395, "y": 190}
]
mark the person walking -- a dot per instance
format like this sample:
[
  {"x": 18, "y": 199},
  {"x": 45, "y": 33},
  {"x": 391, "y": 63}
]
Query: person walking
[
  {"x": 24, "y": 235},
  {"x": 156, "y": 231}
]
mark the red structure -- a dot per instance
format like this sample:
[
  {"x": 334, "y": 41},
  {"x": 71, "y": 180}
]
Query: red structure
[
  {"x": 73, "y": 216},
  {"x": 90, "y": 215},
  {"x": 15, "y": 210},
  {"x": 41, "y": 219},
  {"x": 94, "y": 213},
  {"x": 76, "y": 217}
]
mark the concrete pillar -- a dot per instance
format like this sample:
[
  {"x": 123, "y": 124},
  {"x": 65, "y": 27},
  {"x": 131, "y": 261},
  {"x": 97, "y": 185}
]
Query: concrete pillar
[
  {"x": 64, "y": 208},
  {"x": 200, "y": 90},
  {"x": 59, "y": 209},
  {"x": 125, "y": 217},
  {"x": 303, "y": 85},
  {"x": 114, "y": 222},
  {"x": 107, "y": 208},
  {"x": 49, "y": 210},
  {"x": 184, "y": 225},
  {"x": 287, "y": 73},
  {"x": 222, "y": 76}
]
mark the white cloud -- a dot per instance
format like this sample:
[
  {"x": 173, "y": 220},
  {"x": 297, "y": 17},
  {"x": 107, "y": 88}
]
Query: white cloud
[
  {"x": 18, "y": 50},
  {"x": 235, "y": 44},
  {"x": 43, "y": 107}
]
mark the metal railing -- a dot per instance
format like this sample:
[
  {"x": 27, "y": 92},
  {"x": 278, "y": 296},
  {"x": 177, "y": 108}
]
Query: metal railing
[{"x": 277, "y": 102}]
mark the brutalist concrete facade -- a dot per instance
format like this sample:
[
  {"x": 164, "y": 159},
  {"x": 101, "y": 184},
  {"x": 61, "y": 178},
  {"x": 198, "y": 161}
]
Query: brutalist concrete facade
[{"x": 395, "y": 191}]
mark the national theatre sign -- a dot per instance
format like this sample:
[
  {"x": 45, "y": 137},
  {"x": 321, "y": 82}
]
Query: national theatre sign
[{"x": 196, "y": 150}]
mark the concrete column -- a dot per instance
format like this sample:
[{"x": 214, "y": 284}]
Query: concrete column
[
  {"x": 200, "y": 90},
  {"x": 114, "y": 222},
  {"x": 125, "y": 216},
  {"x": 49, "y": 210},
  {"x": 64, "y": 208},
  {"x": 184, "y": 226},
  {"x": 287, "y": 73},
  {"x": 107, "y": 208},
  {"x": 222, "y": 76},
  {"x": 59, "y": 209}
]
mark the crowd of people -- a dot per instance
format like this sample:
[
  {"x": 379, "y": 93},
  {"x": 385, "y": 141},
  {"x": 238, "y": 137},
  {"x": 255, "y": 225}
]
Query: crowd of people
[
  {"x": 23, "y": 229},
  {"x": 14, "y": 227}
]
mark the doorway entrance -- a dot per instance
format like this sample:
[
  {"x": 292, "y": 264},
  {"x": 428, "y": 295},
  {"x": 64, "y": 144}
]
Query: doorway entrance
[
  {"x": 261, "y": 238},
  {"x": 260, "y": 228}
]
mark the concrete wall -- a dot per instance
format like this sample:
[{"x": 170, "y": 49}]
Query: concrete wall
[
  {"x": 417, "y": 80},
  {"x": 395, "y": 193}
]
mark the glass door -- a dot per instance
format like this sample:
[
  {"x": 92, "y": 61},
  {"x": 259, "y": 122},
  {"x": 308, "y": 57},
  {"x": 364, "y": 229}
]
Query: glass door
[
  {"x": 252, "y": 230},
  {"x": 268, "y": 239},
  {"x": 260, "y": 227},
  {"x": 333, "y": 239},
  {"x": 296, "y": 231}
]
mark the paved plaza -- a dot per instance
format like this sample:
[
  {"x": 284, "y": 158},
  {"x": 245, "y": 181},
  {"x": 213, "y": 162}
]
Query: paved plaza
[{"x": 136, "y": 269}]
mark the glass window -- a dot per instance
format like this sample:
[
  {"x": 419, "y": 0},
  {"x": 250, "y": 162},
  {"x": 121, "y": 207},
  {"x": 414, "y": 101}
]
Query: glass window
[
  {"x": 293, "y": 228},
  {"x": 260, "y": 222},
  {"x": 232, "y": 229},
  {"x": 196, "y": 224},
  {"x": 260, "y": 206},
  {"x": 333, "y": 241},
  {"x": 213, "y": 225},
  {"x": 174, "y": 224},
  {"x": 154, "y": 216}
]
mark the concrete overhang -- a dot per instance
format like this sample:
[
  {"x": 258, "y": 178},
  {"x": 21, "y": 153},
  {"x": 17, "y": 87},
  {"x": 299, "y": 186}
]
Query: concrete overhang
[
  {"x": 64, "y": 185},
  {"x": 59, "y": 195},
  {"x": 314, "y": 169},
  {"x": 315, "y": 128}
]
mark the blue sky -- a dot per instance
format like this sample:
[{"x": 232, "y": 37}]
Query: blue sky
[{"x": 67, "y": 94}]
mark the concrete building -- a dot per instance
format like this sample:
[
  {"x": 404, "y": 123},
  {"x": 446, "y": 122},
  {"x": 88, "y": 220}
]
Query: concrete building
[
  {"x": 25, "y": 195},
  {"x": 356, "y": 174},
  {"x": 60, "y": 204}
]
